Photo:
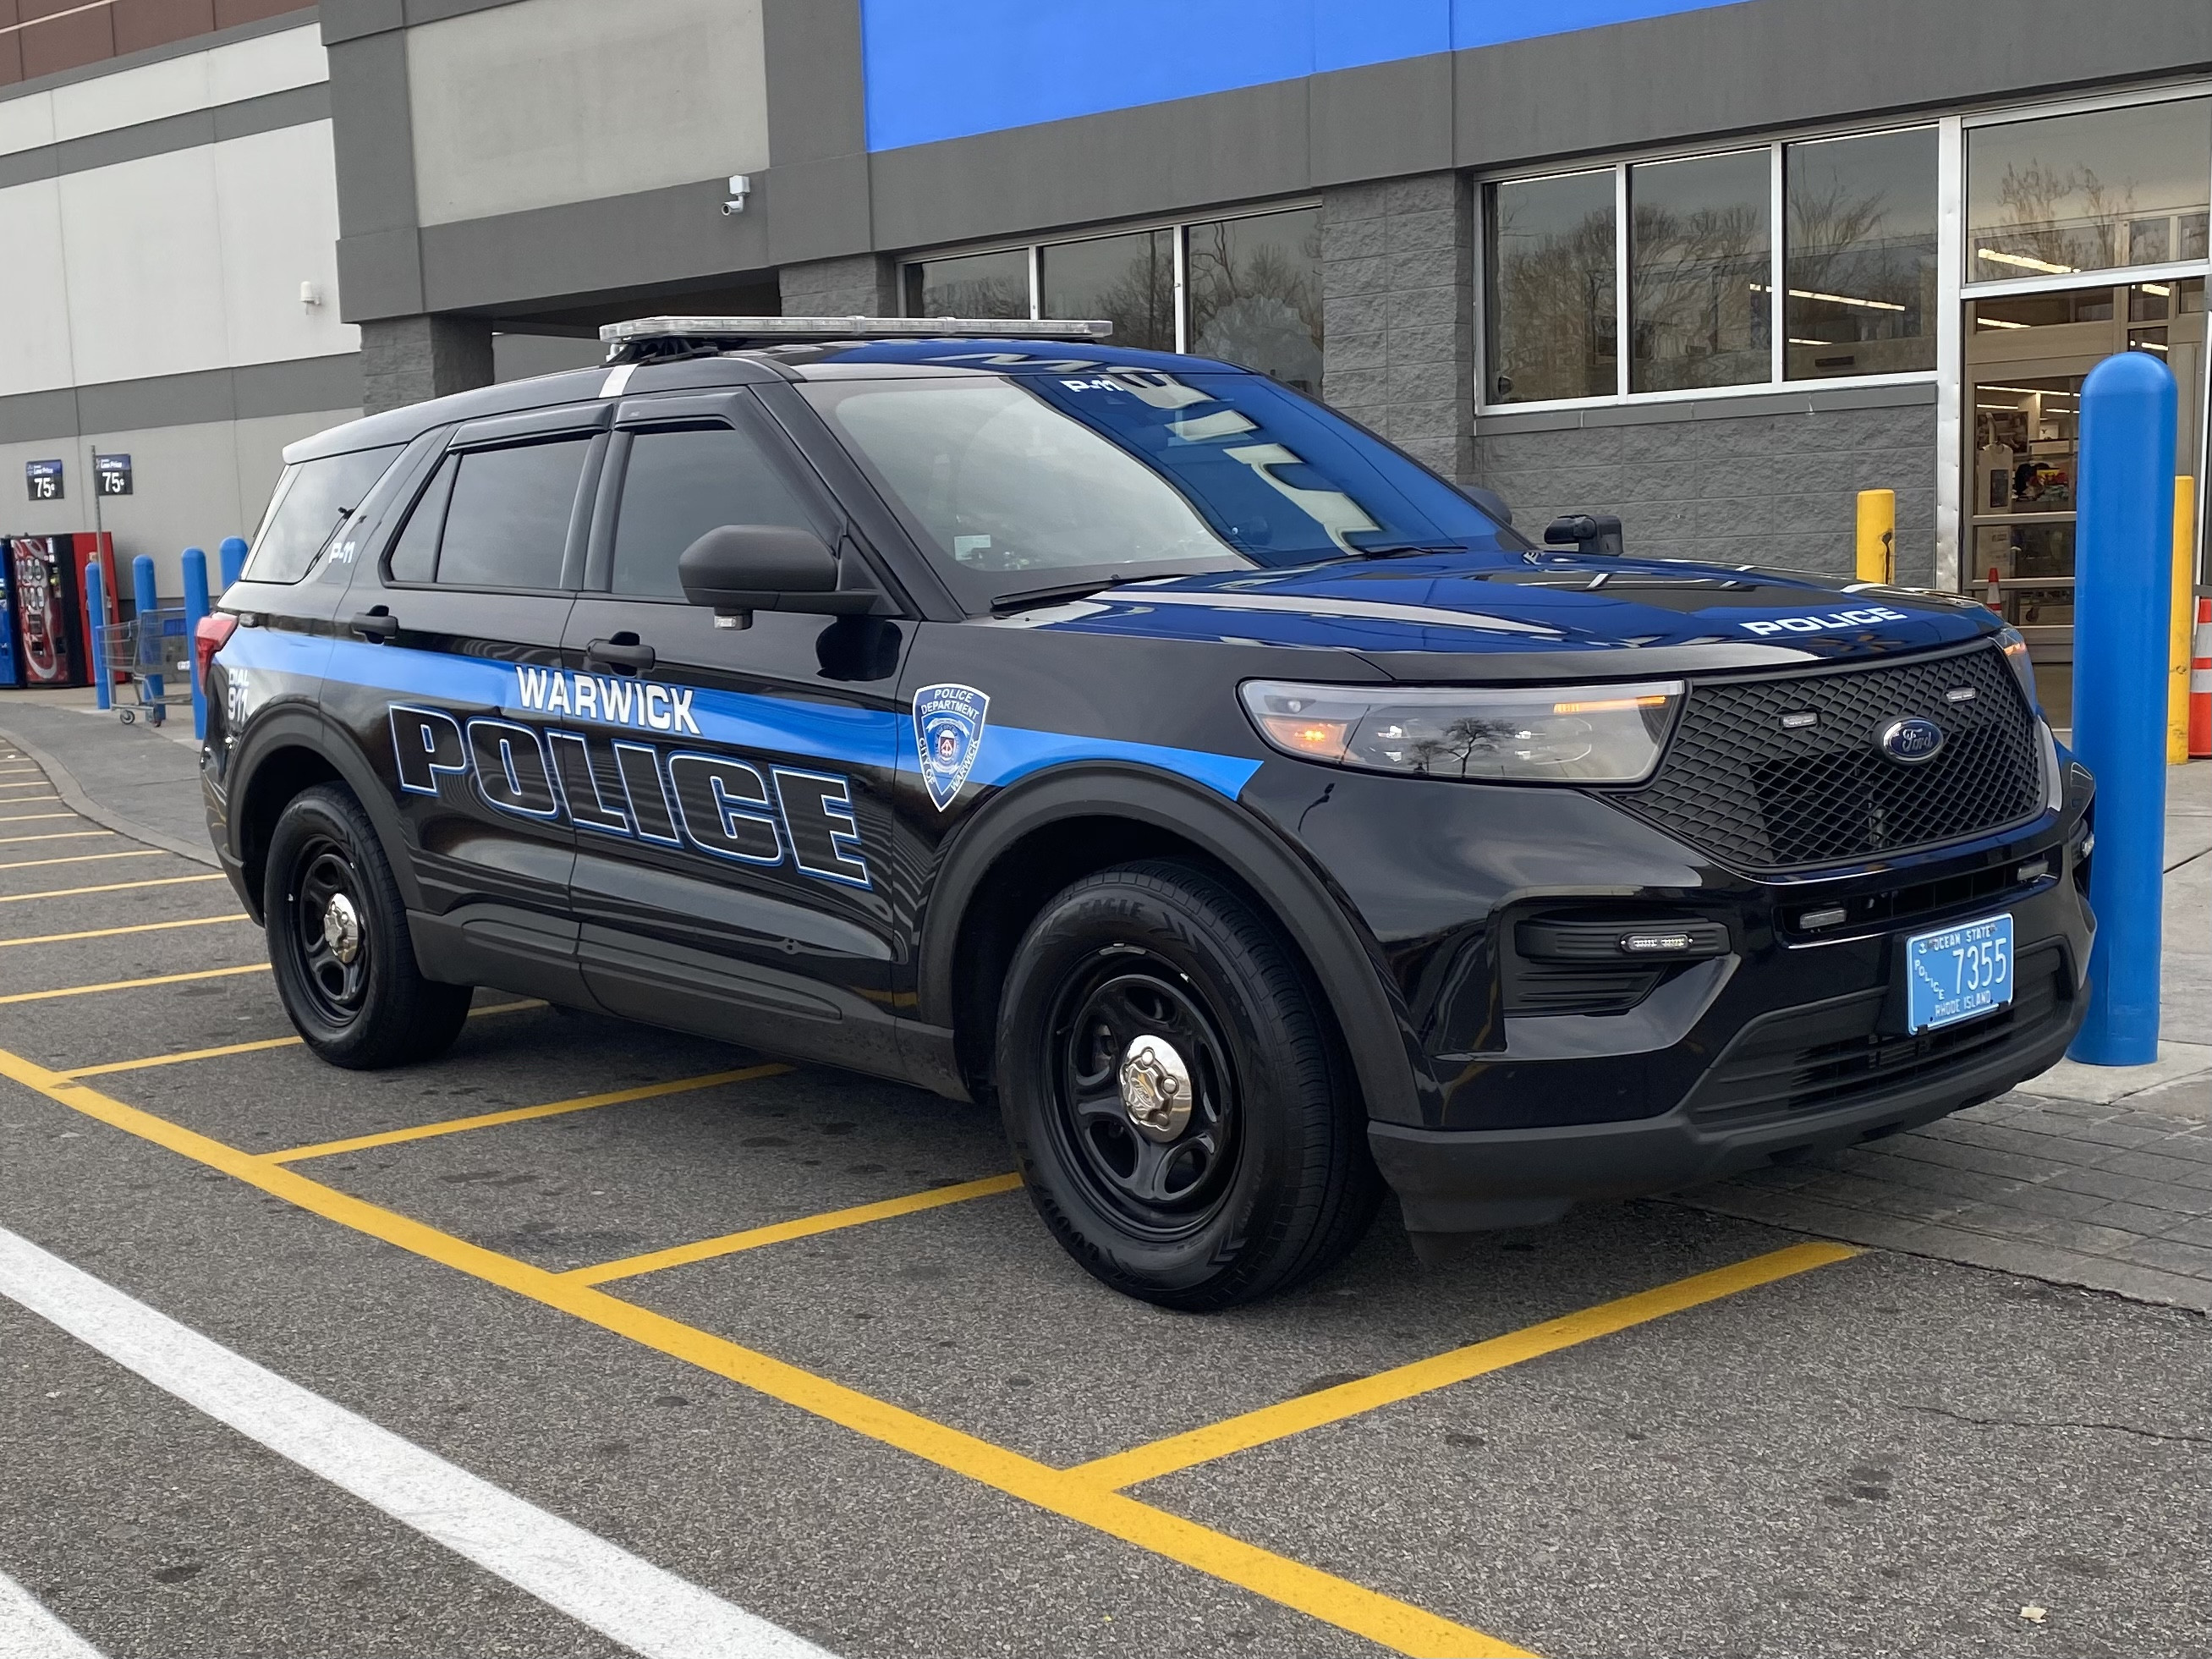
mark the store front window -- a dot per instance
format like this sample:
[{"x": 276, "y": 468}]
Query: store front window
[
  {"x": 1255, "y": 295},
  {"x": 1713, "y": 299},
  {"x": 1700, "y": 281},
  {"x": 1553, "y": 288},
  {"x": 1244, "y": 289},
  {"x": 974, "y": 285},
  {"x": 2104, "y": 190},
  {"x": 1859, "y": 263},
  {"x": 1128, "y": 280}
]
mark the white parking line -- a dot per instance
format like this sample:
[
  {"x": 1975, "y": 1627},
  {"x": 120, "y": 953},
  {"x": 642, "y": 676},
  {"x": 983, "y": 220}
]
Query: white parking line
[
  {"x": 27, "y": 1631},
  {"x": 621, "y": 1595}
]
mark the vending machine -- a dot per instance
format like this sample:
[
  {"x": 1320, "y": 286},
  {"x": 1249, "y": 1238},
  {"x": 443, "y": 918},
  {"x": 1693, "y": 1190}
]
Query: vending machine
[{"x": 51, "y": 632}]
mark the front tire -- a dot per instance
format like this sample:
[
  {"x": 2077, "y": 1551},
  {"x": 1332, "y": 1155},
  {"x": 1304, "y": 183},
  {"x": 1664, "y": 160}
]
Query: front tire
[
  {"x": 1181, "y": 1114},
  {"x": 338, "y": 943}
]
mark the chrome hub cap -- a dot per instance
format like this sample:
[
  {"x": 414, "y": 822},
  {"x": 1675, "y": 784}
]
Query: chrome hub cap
[
  {"x": 342, "y": 928},
  {"x": 1156, "y": 1090}
]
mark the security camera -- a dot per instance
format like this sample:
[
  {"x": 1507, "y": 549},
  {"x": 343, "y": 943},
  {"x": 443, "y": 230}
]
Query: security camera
[{"x": 741, "y": 186}]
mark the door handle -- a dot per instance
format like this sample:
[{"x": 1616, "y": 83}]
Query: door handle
[
  {"x": 377, "y": 624},
  {"x": 621, "y": 654}
]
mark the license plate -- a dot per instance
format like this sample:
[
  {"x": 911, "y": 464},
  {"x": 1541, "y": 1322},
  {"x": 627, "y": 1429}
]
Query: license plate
[{"x": 1958, "y": 973}]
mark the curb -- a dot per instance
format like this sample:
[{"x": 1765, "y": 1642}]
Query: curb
[{"x": 66, "y": 785}]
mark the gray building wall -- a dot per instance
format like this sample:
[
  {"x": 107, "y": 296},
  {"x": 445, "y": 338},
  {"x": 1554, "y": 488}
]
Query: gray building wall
[{"x": 1737, "y": 480}]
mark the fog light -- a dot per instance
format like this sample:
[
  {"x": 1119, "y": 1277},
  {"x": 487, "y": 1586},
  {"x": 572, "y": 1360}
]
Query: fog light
[
  {"x": 1812, "y": 921},
  {"x": 1649, "y": 943},
  {"x": 2089, "y": 844}
]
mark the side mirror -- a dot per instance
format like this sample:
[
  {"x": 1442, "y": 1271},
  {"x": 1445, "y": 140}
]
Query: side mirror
[
  {"x": 1586, "y": 532},
  {"x": 740, "y": 568},
  {"x": 1489, "y": 500}
]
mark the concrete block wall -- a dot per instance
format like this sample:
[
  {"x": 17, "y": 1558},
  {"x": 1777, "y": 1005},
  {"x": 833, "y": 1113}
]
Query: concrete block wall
[
  {"x": 406, "y": 359},
  {"x": 861, "y": 285},
  {"x": 1736, "y": 481},
  {"x": 1397, "y": 312}
]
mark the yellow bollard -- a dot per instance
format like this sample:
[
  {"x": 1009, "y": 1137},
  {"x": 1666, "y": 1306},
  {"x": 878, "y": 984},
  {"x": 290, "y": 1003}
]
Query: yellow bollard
[
  {"x": 2183, "y": 622},
  {"x": 1877, "y": 536}
]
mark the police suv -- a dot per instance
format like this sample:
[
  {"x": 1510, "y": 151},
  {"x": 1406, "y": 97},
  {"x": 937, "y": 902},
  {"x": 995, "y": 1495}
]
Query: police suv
[{"x": 1255, "y": 819}]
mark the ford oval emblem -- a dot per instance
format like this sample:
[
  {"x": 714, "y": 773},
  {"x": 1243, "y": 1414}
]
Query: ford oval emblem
[{"x": 1909, "y": 742}]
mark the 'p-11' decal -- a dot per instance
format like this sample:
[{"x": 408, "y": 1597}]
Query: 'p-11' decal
[{"x": 717, "y": 804}]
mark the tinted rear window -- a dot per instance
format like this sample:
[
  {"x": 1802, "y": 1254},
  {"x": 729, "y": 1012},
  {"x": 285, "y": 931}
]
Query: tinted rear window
[
  {"x": 311, "y": 501},
  {"x": 506, "y": 524}
]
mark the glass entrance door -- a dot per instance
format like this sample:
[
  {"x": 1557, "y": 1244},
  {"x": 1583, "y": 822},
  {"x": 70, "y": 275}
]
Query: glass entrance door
[{"x": 2026, "y": 356}]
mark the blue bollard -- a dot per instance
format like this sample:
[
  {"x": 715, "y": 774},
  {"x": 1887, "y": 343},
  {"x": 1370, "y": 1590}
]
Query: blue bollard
[
  {"x": 95, "y": 607},
  {"x": 149, "y": 645},
  {"x": 231, "y": 558},
  {"x": 2124, "y": 591},
  {"x": 196, "y": 607}
]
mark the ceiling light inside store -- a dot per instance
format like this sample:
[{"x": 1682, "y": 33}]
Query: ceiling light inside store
[
  {"x": 2159, "y": 288},
  {"x": 1831, "y": 299},
  {"x": 1998, "y": 322},
  {"x": 2023, "y": 263}
]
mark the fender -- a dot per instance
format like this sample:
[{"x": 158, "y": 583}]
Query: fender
[
  {"x": 303, "y": 726},
  {"x": 1378, "y": 1037}
]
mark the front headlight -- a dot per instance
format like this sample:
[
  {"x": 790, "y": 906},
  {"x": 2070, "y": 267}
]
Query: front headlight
[
  {"x": 2015, "y": 646},
  {"x": 1528, "y": 735}
]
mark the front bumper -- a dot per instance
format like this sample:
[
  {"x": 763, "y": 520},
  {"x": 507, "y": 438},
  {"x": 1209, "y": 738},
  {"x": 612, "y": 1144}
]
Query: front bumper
[
  {"x": 1462, "y": 1181},
  {"x": 1793, "y": 1040}
]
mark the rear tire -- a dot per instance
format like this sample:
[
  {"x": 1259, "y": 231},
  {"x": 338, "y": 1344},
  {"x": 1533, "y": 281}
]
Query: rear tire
[
  {"x": 1245, "y": 1168},
  {"x": 338, "y": 942}
]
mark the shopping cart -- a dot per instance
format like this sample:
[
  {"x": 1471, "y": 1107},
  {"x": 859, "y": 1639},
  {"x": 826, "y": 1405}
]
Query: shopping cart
[{"x": 154, "y": 651}]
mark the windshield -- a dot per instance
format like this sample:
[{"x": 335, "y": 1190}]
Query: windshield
[{"x": 1033, "y": 483}]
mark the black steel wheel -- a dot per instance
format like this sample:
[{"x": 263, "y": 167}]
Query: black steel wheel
[
  {"x": 339, "y": 945},
  {"x": 1176, "y": 1094},
  {"x": 1128, "y": 1023}
]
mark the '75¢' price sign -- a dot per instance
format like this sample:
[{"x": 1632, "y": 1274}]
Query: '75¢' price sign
[{"x": 42, "y": 480}]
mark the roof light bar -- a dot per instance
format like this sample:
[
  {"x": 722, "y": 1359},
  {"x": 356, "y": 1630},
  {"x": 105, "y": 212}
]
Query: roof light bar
[{"x": 795, "y": 331}]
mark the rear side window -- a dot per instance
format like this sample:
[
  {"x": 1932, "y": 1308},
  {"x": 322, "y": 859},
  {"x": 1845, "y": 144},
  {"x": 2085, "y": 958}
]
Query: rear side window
[
  {"x": 311, "y": 501},
  {"x": 494, "y": 518},
  {"x": 679, "y": 485}
]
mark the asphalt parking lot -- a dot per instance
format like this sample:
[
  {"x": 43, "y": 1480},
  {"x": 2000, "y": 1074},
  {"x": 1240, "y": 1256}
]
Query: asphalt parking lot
[{"x": 794, "y": 1339}]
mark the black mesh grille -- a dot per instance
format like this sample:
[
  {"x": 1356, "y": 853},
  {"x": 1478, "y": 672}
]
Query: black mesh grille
[{"x": 1760, "y": 796}]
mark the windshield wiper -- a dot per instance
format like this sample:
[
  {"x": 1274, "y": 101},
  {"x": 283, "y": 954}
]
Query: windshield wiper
[
  {"x": 1030, "y": 598},
  {"x": 1408, "y": 550}
]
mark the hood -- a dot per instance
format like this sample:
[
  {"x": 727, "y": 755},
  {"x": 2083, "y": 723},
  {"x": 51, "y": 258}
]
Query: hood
[{"x": 1407, "y": 612}]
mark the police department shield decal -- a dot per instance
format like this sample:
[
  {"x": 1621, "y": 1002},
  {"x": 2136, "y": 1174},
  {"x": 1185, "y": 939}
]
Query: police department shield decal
[{"x": 948, "y": 731}]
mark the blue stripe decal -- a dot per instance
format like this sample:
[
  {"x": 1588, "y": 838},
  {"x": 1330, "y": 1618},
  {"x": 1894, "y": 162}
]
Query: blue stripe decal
[
  {"x": 838, "y": 733},
  {"x": 949, "y": 69}
]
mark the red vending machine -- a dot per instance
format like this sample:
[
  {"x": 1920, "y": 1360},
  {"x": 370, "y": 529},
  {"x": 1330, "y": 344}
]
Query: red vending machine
[{"x": 53, "y": 634}]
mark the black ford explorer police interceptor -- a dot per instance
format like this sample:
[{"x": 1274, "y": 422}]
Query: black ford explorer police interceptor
[{"x": 1124, "y": 739}]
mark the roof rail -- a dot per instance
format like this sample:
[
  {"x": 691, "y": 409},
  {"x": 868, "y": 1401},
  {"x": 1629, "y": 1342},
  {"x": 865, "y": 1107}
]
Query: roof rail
[{"x": 657, "y": 337}]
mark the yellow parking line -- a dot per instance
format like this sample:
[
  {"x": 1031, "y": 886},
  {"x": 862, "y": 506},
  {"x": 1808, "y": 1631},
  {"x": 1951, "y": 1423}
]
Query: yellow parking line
[
  {"x": 255, "y": 1048},
  {"x": 133, "y": 984},
  {"x": 1349, "y": 1606},
  {"x": 521, "y": 1114},
  {"x": 830, "y": 1222},
  {"x": 1311, "y": 1411},
  {"x": 107, "y": 887},
  {"x": 54, "y": 834},
  {"x": 88, "y": 857},
  {"x": 31, "y": 817},
  {"x": 135, "y": 928}
]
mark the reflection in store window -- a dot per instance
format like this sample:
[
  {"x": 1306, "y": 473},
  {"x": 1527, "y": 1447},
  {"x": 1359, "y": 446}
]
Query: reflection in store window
[
  {"x": 1860, "y": 255},
  {"x": 973, "y": 285},
  {"x": 1255, "y": 295},
  {"x": 2100, "y": 191},
  {"x": 1552, "y": 289},
  {"x": 1698, "y": 273},
  {"x": 1127, "y": 280}
]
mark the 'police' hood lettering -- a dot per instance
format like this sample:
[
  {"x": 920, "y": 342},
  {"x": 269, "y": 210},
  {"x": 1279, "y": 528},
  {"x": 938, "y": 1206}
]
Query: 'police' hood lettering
[{"x": 616, "y": 700}]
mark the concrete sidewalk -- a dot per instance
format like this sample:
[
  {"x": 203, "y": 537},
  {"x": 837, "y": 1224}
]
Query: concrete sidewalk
[{"x": 2091, "y": 1175}]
